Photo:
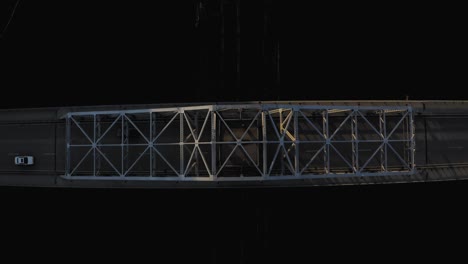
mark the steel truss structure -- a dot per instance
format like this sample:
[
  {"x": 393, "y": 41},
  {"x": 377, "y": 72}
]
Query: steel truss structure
[{"x": 240, "y": 142}]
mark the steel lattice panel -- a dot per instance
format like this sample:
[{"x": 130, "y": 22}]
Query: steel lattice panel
[{"x": 240, "y": 142}]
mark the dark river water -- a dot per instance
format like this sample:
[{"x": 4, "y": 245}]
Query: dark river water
[
  {"x": 71, "y": 53},
  {"x": 60, "y": 53},
  {"x": 236, "y": 225}
]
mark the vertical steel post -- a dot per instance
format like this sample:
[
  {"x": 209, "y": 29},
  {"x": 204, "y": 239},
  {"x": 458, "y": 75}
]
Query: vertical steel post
[
  {"x": 413, "y": 142},
  {"x": 355, "y": 140},
  {"x": 382, "y": 134},
  {"x": 94, "y": 145},
  {"x": 196, "y": 147},
  {"x": 213, "y": 145},
  {"x": 326, "y": 149},
  {"x": 126, "y": 147},
  {"x": 385, "y": 139},
  {"x": 181, "y": 142},
  {"x": 97, "y": 158},
  {"x": 68, "y": 142},
  {"x": 122, "y": 116},
  {"x": 264, "y": 142},
  {"x": 281, "y": 140},
  {"x": 296, "y": 142},
  {"x": 405, "y": 132},
  {"x": 151, "y": 143}
]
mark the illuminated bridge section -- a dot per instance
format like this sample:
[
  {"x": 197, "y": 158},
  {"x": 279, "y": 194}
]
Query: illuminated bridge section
[{"x": 240, "y": 143}]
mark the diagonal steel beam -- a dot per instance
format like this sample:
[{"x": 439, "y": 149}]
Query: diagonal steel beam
[
  {"x": 109, "y": 128},
  {"x": 288, "y": 117},
  {"x": 250, "y": 125},
  {"x": 165, "y": 127},
  {"x": 81, "y": 161},
  {"x": 226, "y": 161},
  {"x": 82, "y": 130},
  {"x": 135, "y": 162},
  {"x": 190, "y": 126},
  {"x": 341, "y": 125},
  {"x": 372, "y": 126},
  {"x": 204, "y": 124},
  {"x": 204, "y": 161},
  {"x": 136, "y": 127},
  {"x": 399, "y": 157},
  {"x": 274, "y": 159},
  {"x": 291, "y": 166},
  {"x": 288, "y": 123},
  {"x": 371, "y": 157},
  {"x": 274, "y": 127},
  {"x": 187, "y": 169},
  {"x": 251, "y": 160},
  {"x": 312, "y": 124},
  {"x": 165, "y": 160},
  {"x": 227, "y": 126},
  {"x": 108, "y": 161},
  {"x": 312, "y": 159},
  {"x": 342, "y": 157},
  {"x": 397, "y": 125}
]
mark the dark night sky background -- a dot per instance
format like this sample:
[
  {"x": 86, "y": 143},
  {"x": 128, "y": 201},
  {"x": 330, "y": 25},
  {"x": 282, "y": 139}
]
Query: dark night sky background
[{"x": 154, "y": 52}]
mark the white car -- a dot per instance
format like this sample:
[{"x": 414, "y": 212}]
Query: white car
[{"x": 24, "y": 160}]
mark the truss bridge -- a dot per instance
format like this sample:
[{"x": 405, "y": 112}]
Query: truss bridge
[{"x": 235, "y": 145}]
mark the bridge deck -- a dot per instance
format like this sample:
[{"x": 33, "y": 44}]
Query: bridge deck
[{"x": 230, "y": 145}]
